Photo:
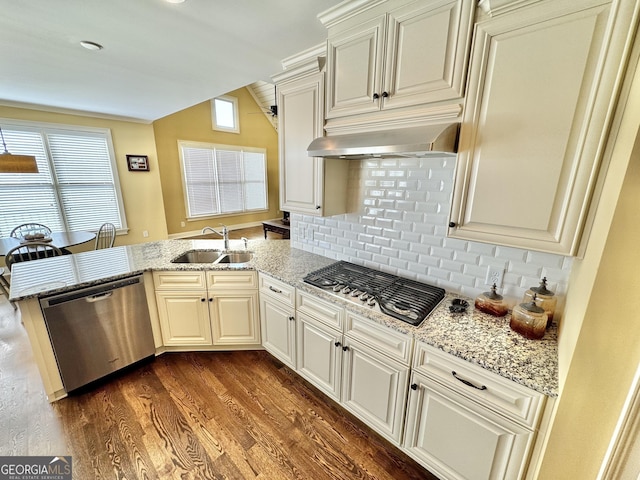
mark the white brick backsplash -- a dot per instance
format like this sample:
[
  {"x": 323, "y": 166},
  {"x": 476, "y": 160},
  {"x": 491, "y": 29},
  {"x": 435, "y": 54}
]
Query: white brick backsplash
[{"x": 404, "y": 208}]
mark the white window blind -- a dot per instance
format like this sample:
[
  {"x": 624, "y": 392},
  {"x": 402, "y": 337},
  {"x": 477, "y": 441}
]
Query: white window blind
[
  {"x": 223, "y": 179},
  {"x": 76, "y": 187}
]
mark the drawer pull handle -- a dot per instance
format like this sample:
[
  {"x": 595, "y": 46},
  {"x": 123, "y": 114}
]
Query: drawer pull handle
[
  {"x": 467, "y": 382},
  {"x": 274, "y": 289}
]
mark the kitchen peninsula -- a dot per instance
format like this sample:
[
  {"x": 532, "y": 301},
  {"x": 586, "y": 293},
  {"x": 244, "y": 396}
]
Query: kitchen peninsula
[
  {"x": 479, "y": 374},
  {"x": 472, "y": 336}
]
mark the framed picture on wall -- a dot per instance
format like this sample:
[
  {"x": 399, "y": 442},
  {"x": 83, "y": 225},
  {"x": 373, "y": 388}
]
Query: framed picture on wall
[{"x": 138, "y": 163}]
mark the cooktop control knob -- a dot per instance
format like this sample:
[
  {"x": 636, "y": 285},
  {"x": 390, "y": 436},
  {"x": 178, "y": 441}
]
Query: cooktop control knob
[
  {"x": 345, "y": 290},
  {"x": 371, "y": 301}
]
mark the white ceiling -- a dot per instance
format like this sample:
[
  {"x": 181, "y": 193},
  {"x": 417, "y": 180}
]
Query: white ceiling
[{"x": 158, "y": 57}]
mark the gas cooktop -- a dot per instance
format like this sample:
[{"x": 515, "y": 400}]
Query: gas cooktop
[{"x": 404, "y": 299}]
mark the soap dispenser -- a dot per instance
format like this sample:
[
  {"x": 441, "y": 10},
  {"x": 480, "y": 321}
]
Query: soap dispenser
[
  {"x": 492, "y": 303},
  {"x": 529, "y": 320},
  {"x": 545, "y": 299}
]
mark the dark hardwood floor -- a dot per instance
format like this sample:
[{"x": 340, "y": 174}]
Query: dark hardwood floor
[{"x": 234, "y": 415}]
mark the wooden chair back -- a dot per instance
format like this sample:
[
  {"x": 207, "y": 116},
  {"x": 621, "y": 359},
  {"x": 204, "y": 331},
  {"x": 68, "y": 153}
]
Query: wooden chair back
[
  {"x": 30, "y": 251},
  {"x": 106, "y": 236},
  {"x": 30, "y": 229}
]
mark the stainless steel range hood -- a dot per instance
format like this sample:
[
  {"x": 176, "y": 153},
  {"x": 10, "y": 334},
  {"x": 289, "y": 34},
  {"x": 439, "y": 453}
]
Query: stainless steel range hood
[{"x": 430, "y": 140}]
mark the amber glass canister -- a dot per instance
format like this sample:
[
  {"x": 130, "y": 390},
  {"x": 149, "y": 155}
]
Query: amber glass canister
[
  {"x": 545, "y": 299},
  {"x": 529, "y": 320},
  {"x": 492, "y": 303}
]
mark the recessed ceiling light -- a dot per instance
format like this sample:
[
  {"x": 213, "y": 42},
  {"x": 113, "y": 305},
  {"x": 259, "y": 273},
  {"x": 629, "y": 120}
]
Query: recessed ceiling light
[{"x": 91, "y": 45}]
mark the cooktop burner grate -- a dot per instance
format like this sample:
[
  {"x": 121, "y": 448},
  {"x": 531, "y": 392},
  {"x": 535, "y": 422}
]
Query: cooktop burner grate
[
  {"x": 404, "y": 299},
  {"x": 409, "y": 300}
]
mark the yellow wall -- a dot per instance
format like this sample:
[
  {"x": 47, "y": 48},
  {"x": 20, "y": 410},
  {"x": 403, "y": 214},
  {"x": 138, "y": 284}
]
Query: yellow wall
[
  {"x": 194, "y": 124},
  {"x": 602, "y": 308},
  {"x": 141, "y": 191}
]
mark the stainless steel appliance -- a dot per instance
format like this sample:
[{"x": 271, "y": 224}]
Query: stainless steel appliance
[
  {"x": 97, "y": 330},
  {"x": 404, "y": 299}
]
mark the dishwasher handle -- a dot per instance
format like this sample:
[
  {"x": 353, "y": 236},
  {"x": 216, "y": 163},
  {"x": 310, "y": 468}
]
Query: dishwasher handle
[
  {"x": 89, "y": 292},
  {"x": 97, "y": 298}
]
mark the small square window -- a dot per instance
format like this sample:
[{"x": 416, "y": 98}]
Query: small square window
[{"x": 224, "y": 114}]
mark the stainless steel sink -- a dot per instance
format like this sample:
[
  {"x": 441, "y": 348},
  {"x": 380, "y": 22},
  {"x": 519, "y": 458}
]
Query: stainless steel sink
[
  {"x": 213, "y": 256},
  {"x": 235, "y": 257},
  {"x": 198, "y": 256}
]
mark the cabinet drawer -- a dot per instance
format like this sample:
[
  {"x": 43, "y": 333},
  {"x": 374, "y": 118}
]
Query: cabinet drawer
[
  {"x": 321, "y": 310},
  {"x": 493, "y": 391},
  {"x": 279, "y": 290},
  {"x": 383, "y": 339},
  {"x": 179, "y": 281},
  {"x": 242, "y": 279}
]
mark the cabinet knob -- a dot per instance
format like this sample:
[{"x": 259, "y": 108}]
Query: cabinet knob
[
  {"x": 337, "y": 344},
  {"x": 414, "y": 386},
  {"x": 203, "y": 299},
  {"x": 385, "y": 94},
  {"x": 376, "y": 96},
  {"x": 292, "y": 319},
  {"x": 211, "y": 299},
  {"x": 452, "y": 224},
  {"x": 318, "y": 207},
  {"x": 345, "y": 348}
]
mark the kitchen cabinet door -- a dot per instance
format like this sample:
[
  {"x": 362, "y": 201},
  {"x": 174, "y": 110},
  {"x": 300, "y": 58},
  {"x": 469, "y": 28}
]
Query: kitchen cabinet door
[
  {"x": 414, "y": 53},
  {"x": 319, "y": 355},
  {"x": 459, "y": 440},
  {"x": 308, "y": 185},
  {"x": 536, "y": 121},
  {"x": 184, "y": 318},
  {"x": 355, "y": 60},
  {"x": 374, "y": 388},
  {"x": 234, "y": 318},
  {"x": 278, "y": 328}
]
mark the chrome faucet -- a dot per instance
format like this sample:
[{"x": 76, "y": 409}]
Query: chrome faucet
[
  {"x": 224, "y": 234},
  {"x": 246, "y": 242}
]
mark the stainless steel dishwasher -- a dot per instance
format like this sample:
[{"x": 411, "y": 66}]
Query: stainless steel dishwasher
[{"x": 97, "y": 330}]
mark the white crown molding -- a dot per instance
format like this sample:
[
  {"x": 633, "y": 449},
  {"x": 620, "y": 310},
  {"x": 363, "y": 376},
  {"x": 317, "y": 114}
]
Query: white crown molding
[{"x": 346, "y": 10}]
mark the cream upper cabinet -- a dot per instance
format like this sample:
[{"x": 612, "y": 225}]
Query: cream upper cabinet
[
  {"x": 542, "y": 86},
  {"x": 397, "y": 53},
  {"x": 308, "y": 185}
]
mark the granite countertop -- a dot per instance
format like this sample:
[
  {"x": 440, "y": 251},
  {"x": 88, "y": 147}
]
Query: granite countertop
[{"x": 473, "y": 336}]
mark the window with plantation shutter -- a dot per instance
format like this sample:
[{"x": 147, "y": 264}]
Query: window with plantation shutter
[
  {"x": 77, "y": 184},
  {"x": 223, "y": 179}
]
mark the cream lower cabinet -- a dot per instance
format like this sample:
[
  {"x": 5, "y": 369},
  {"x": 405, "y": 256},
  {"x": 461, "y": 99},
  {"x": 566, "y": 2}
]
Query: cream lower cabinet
[
  {"x": 233, "y": 308},
  {"x": 183, "y": 308},
  {"x": 466, "y": 423},
  {"x": 375, "y": 374},
  {"x": 374, "y": 388},
  {"x": 536, "y": 121},
  {"x": 277, "y": 319},
  {"x": 320, "y": 355},
  {"x": 216, "y": 309}
]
